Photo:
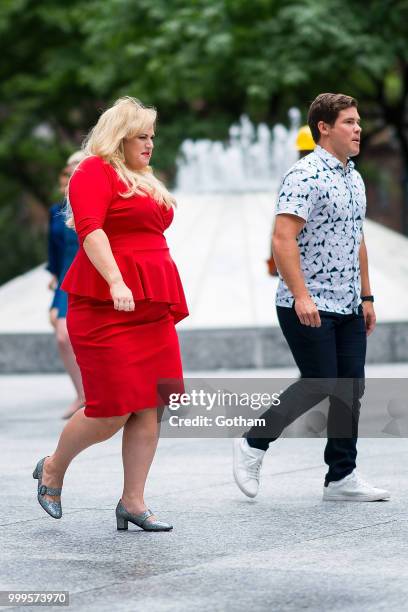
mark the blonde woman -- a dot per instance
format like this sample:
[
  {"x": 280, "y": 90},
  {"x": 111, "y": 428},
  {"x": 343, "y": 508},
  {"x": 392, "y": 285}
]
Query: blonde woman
[{"x": 125, "y": 297}]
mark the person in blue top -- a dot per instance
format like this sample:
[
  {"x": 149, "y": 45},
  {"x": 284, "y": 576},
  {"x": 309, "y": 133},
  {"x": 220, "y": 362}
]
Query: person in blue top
[
  {"x": 62, "y": 248},
  {"x": 56, "y": 246}
]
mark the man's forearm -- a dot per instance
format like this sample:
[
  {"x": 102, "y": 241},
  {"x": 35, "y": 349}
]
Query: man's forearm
[
  {"x": 287, "y": 258},
  {"x": 365, "y": 279}
]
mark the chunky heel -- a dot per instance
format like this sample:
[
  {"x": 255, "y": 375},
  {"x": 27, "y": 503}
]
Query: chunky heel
[
  {"x": 121, "y": 523},
  {"x": 123, "y": 517}
]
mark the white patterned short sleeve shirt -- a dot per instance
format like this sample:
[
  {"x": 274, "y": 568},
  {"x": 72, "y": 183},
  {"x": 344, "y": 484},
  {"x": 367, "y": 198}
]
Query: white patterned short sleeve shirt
[{"x": 331, "y": 199}]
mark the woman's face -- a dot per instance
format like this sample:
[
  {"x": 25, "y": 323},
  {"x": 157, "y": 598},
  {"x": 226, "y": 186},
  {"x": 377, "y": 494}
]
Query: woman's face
[
  {"x": 138, "y": 150},
  {"x": 63, "y": 179}
]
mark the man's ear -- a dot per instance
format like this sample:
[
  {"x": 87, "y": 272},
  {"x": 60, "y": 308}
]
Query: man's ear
[{"x": 323, "y": 128}]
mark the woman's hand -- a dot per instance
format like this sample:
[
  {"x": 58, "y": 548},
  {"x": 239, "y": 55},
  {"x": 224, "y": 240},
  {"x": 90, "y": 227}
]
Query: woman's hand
[
  {"x": 122, "y": 296},
  {"x": 97, "y": 247},
  {"x": 53, "y": 284},
  {"x": 53, "y": 315}
]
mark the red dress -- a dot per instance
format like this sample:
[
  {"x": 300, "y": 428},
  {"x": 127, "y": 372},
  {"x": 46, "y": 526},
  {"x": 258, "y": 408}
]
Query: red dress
[{"x": 122, "y": 355}]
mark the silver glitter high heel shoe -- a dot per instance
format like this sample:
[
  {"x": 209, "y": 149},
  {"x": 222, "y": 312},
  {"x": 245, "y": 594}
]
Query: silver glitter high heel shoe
[
  {"x": 53, "y": 508},
  {"x": 123, "y": 517}
]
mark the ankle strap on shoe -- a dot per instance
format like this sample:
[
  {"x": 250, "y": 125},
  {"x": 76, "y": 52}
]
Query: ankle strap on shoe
[{"x": 43, "y": 490}]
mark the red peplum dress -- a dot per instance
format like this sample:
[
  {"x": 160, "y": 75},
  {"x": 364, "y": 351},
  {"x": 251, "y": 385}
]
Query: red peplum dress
[{"x": 122, "y": 356}]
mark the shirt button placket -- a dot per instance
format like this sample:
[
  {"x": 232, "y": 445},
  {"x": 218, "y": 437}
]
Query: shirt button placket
[{"x": 355, "y": 253}]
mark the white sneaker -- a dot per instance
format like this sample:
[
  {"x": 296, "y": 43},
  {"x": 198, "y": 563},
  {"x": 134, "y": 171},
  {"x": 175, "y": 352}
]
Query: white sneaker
[
  {"x": 353, "y": 488},
  {"x": 247, "y": 465}
]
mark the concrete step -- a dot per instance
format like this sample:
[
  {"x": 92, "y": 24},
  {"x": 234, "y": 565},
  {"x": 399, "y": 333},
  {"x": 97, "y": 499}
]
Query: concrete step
[{"x": 205, "y": 349}]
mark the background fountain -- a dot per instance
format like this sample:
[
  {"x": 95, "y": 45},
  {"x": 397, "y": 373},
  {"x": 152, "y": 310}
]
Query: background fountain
[{"x": 252, "y": 160}]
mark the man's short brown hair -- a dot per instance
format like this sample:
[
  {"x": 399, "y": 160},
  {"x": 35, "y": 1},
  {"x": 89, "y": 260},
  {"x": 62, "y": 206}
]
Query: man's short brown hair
[{"x": 326, "y": 107}]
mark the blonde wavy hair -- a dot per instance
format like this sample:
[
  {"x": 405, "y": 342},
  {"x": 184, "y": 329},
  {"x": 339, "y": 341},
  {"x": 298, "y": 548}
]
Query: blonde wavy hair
[{"x": 127, "y": 118}]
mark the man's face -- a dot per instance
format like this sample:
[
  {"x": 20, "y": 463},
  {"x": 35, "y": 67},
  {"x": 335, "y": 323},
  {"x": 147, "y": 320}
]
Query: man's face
[{"x": 344, "y": 134}]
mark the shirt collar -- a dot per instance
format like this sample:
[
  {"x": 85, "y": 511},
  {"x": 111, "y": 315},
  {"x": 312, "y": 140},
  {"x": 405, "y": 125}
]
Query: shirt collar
[{"x": 331, "y": 160}]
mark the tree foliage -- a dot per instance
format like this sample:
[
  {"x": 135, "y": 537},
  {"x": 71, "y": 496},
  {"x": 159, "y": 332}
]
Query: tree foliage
[{"x": 200, "y": 62}]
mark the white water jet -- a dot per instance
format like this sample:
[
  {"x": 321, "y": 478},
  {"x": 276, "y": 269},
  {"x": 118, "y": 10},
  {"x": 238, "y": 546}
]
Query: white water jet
[{"x": 253, "y": 159}]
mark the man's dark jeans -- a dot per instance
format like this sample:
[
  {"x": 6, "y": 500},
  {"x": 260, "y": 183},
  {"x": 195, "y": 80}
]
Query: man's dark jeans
[{"x": 329, "y": 353}]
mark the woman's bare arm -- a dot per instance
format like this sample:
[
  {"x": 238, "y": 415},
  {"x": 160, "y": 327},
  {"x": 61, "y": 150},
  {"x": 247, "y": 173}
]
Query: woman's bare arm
[{"x": 98, "y": 249}]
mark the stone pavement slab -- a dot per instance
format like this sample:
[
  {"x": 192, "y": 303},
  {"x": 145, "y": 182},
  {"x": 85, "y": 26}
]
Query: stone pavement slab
[{"x": 286, "y": 550}]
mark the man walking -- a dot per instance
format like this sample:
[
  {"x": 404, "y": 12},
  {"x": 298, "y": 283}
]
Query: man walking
[{"x": 324, "y": 302}]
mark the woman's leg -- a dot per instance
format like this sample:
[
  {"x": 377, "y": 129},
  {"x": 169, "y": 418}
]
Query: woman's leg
[
  {"x": 79, "y": 433},
  {"x": 69, "y": 361},
  {"x": 139, "y": 442}
]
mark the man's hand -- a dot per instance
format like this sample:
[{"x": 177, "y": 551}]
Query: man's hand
[
  {"x": 122, "y": 296},
  {"x": 307, "y": 311},
  {"x": 272, "y": 269},
  {"x": 369, "y": 317}
]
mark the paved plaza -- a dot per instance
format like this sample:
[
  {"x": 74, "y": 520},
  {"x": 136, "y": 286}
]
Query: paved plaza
[{"x": 284, "y": 551}]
